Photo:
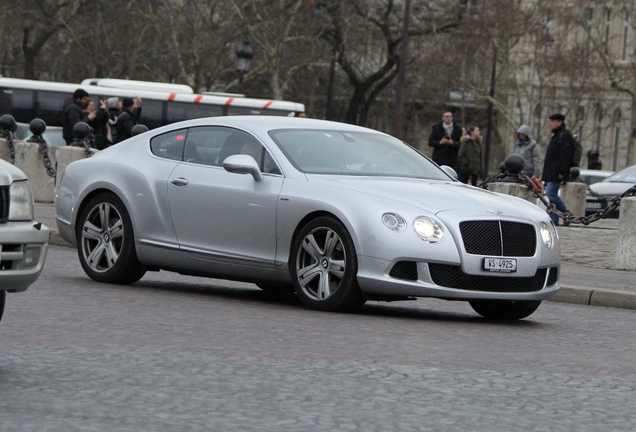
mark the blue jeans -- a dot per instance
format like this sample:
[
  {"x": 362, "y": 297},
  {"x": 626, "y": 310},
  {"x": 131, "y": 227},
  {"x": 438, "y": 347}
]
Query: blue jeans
[{"x": 552, "y": 191}]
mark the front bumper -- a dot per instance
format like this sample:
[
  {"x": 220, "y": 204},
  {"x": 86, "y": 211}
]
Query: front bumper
[
  {"x": 23, "y": 250},
  {"x": 448, "y": 281}
]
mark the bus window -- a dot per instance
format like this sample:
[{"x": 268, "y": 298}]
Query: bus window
[
  {"x": 152, "y": 113},
  {"x": 18, "y": 103},
  {"x": 50, "y": 106},
  {"x": 178, "y": 111}
]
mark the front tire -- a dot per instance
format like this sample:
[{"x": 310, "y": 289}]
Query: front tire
[
  {"x": 3, "y": 298},
  {"x": 105, "y": 242},
  {"x": 324, "y": 267},
  {"x": 505, "y": 309}
]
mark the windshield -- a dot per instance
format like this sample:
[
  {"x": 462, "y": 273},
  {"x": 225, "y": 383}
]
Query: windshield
[
  {"x": 628, "y": 175},
  {"x": 353, "y": 153}
]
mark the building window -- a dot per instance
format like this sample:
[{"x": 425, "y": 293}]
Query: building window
[
  {"x": 617, "y": 118},
  {"x": 599, "y": 128},
  {"x": 625, "y": 36},
  {"x": 608, "y": 27}
]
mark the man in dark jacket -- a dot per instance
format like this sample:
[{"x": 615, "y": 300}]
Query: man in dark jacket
[
  {"x": 128, "y": 117},
  {"x": 558, "y": 160},
  {"x": 445, "y": 141},
  {"x": 73, "y": 107}
]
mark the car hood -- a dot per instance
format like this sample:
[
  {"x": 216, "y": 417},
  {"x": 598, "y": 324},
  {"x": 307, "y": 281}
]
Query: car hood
[
  {"x": 9, "y": 173},
  {"x": 436, "y": 196},
  {"x": 610, "y": 189}
]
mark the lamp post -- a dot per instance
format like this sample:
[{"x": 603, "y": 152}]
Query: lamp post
[{"x": 244, "y": 56}]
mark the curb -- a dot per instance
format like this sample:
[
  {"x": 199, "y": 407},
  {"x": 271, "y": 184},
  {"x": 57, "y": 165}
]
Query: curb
[
  {"x": 566, "y": 294},
  {"x": 593, "y": 297}
]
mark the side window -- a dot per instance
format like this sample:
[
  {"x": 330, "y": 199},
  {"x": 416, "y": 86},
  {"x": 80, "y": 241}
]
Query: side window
[
  {"x": 239, "y": 142},
  {"x": 50, "y": 107},
  {"x": 169, "y": 145},
  {"x": 204, "y": 144}
]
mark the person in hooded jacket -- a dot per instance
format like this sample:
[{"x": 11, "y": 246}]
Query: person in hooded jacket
[
  {"x": 113, "y": 107},
  {"x": 73, "y": 110},
  {"x": 529, "y": 150}
]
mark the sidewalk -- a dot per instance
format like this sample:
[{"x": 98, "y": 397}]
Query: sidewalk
[{"x": 587, "y": 262}]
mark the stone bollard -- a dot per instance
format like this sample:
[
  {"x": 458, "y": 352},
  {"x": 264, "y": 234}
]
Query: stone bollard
[
  {"x": 29, "y": 159},
  {"x": 626, "y": 244},
  {"x": 69, "y": 154},
  {"x": 511, "y": 184},
  {"x": 515, "y": 189},
  {"x": 573, "y": 196},
  {"x": 4, "y": 150}
]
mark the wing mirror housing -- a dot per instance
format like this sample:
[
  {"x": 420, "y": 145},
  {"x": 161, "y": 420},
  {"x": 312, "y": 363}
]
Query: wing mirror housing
[
  {"x": 449, "y": 171},
  {"x": 243, "y": 164}
]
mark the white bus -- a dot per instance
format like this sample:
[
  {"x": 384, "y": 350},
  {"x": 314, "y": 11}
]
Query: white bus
[{"x": 29, "y": 99}]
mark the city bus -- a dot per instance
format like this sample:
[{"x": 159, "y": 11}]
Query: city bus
[{"x": 29, "y": 99}]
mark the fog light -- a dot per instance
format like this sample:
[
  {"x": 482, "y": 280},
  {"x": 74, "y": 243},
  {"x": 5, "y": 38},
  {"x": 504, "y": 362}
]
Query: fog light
[{"x": 31, "y": 256}]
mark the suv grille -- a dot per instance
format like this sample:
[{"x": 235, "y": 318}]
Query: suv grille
[
  {"x": 498, "y": 238},
  {"x": 452, "y": 276},
  {"x": 4, "y": 204}
]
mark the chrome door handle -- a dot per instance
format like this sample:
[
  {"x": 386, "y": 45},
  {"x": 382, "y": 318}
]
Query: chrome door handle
[{"x": 180, "y": 181}]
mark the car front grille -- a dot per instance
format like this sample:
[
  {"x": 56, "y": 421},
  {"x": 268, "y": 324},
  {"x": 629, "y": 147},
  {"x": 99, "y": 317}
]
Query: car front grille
[
  {"x": 452, "y": 276},
  {"x": 4, "y": 204},
  {"x": 498, "y": 238}
]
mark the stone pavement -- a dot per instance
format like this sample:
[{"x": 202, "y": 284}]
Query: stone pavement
[{"x": 587, "y": 262}]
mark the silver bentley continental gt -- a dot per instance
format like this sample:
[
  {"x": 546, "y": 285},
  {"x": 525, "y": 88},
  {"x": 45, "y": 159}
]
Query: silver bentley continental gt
[{"x": 338, "y": 214}]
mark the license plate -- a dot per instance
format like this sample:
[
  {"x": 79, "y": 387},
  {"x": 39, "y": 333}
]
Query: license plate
[
  {"x": 594, "y": 205},
  {"x": 500, "y": 265}
]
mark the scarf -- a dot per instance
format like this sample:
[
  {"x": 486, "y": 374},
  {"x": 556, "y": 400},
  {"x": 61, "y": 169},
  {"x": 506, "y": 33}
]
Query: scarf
[{"x": 448, "y": 129}]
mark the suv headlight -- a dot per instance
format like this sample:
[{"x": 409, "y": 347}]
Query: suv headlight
[
  {"x": 21, "y": 201},
  {"x": 428, "y": 229}
]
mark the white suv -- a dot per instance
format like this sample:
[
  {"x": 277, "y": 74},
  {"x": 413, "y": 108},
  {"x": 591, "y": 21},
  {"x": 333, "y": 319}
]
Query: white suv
[{"x": 23, "y": 242}]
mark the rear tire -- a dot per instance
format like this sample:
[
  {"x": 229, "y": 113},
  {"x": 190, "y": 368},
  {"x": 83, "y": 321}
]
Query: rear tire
[
  {"x": 324, "y": 267},
  {"x": 105, "y": 242},
  {"x": 505, "y": 309}
]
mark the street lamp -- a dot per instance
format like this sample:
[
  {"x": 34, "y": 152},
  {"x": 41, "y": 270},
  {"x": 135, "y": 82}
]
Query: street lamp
[{"x": 244, "y": 56}]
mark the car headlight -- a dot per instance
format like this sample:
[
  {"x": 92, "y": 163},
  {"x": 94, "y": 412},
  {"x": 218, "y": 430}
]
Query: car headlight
[
  {"x": 428, "y": 229},
  {"x": 547, "y": 235},
  {"x": 21, "y": 201},
  {"x": 394, "y": 222}
]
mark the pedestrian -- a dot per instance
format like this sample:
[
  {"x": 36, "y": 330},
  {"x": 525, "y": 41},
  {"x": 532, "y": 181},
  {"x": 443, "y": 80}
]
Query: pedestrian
[
  {"x": 97, "y": 119},
  {"x": 73, "y": 113},
  {"x": 593, "y": 160},
  {"x": 470, "y": 156},
  {"x": 529, "y": 150},
  {"x": 128, "y": 117},
  {"x": 558, "y": 160},
  {"x": 444, "y": 139},
  {"x": 113, "y": 105}
]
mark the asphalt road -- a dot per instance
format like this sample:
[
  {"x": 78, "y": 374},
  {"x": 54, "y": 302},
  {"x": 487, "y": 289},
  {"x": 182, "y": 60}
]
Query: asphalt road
[{"x": 175, "y": 353}]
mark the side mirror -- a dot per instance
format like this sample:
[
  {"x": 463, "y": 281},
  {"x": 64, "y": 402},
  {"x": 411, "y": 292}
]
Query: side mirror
[
  {"x": 243, "y": 164},
  {"x": 448, "y": 170}
]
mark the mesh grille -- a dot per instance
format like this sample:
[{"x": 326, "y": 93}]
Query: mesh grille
[
  {"x": 4, "y": 204},
  {"x": 451, "y": 276},
  {"x": 485, "y": 238},
  {"x": 406, "y": 270}
]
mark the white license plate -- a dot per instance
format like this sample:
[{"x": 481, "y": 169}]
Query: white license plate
[
  {"x": 501, "y": 265},
  {"x": 594, "y": 205}
]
